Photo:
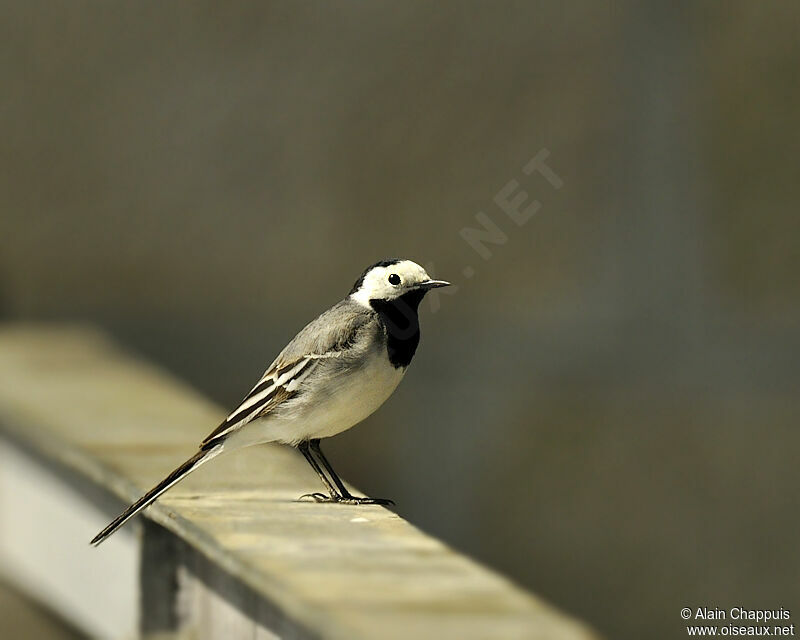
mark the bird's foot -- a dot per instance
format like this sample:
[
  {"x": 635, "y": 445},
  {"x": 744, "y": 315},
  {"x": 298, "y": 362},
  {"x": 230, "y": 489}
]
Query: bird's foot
[{"x": 321, "y": 497}]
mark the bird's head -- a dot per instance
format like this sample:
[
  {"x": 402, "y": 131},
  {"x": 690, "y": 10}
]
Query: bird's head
[{"x": 390, "y": 279}]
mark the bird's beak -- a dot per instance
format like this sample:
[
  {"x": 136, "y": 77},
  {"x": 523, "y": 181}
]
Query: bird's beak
[{"x": 432, "y": 284}]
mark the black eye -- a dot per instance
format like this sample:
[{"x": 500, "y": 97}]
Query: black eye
[{"x": 394, "y": 279}]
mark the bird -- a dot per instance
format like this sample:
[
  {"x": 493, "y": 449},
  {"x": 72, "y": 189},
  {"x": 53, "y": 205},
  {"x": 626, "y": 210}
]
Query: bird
[{"x": 334, "y": 373}]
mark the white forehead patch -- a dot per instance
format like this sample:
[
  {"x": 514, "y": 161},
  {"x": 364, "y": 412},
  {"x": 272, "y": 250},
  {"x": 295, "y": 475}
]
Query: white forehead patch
[{"x": 377, "y": 284}]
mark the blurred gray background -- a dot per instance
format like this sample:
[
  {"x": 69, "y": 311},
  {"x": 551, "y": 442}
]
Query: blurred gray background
[{"x": 606, "y": 410}]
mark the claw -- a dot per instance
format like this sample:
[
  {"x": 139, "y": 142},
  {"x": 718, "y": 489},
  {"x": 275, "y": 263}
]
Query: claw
[
  {"x": 317, "y": 497},
  {"x": 385, "y": 502},
  {"x": 322, "y": 497}
]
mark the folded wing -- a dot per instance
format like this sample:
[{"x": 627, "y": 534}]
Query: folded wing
[{"x": 331, "y": 335}]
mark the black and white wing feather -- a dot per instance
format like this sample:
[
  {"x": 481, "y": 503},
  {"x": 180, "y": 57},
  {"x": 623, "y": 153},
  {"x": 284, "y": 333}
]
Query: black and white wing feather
[
  {"x": 328, "y": 336},
  {"x": 277, "y": 385}
]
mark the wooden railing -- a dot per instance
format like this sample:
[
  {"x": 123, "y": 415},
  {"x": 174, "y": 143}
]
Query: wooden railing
[{"x": 229, "y": 553}]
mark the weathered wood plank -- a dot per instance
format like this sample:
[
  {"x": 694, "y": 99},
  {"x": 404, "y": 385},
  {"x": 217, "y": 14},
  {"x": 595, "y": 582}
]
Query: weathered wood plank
[{"x": 337, "y": 571}]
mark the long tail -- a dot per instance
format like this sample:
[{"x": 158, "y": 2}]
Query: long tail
[{"x": 176, "y": 476}]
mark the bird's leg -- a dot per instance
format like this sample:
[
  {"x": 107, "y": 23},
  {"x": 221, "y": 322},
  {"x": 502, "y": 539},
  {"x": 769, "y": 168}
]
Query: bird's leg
[
  {"x": 319, "y": 497},
  {"x": 344, "y": 495},
  {"x": 334, "y": 476}
]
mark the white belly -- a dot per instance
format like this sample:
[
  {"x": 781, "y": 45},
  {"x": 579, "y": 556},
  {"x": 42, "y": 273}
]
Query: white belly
[{"x": 355, "y": 398}]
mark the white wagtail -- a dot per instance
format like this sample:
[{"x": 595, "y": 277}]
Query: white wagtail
[{"x": 337, "y": 371}]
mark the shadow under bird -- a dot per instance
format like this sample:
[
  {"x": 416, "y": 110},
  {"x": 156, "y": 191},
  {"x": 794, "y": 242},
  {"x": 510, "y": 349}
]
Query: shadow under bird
[{"x": 337, "y": 371}]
